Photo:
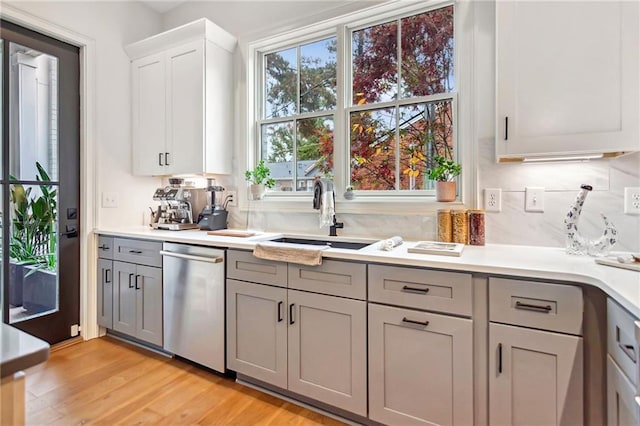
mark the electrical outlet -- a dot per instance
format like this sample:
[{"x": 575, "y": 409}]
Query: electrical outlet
[
  {"x": 233, "y": 198},
  {"x": 109, "y": 200},
  {"x": 493, "y": 199},
  {"x": 534, "y": 199},
  {"x": 631, "y": 200}
]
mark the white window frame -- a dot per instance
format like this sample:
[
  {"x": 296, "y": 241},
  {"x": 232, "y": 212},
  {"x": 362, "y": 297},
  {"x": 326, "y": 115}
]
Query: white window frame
[{"x": 404, "y": 202}]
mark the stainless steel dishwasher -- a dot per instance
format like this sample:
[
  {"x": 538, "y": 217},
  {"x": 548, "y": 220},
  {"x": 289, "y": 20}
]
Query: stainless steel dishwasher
[{"x": 194, "y": 300}]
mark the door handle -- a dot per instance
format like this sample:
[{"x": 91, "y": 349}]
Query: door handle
[
  {"x": 160, "y": 159},
  {"x": 130, "y": 283},
  {"x": 107, "y": 280},
  {"x": 280, "y": 311},
  {"x": 166, "y": 158},
  {"x": 70, "y": 232},
  {"x": 291, "y": 320}
]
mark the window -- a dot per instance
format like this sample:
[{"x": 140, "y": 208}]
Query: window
[
  {"x": 380, "y": 127},
  {"x": 296, "y": 129}
]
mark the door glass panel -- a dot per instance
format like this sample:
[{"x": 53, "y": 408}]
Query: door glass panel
[
  {"x": 33, "y": 266},
  {"x": 33, "y": 97},
  {"x": 32, "y": 215}
]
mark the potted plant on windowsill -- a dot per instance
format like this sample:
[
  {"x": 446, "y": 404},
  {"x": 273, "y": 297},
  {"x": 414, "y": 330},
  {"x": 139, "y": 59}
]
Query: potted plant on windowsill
[
  {"x": 444, "y": 174},
  {"x": 260, "y": 178}
]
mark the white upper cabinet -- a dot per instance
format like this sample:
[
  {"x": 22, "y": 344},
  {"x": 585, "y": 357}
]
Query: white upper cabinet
[
  {"x": 567, "y": 78},
  {"x": 182, "y": 101}
]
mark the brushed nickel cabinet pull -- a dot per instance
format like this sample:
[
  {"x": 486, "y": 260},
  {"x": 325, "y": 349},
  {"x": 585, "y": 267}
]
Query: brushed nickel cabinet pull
[
  {"x": 409, "y": 321},
  {"x": 160, "y": 159},
  {"x": 527, "y": 307},
  {"x": 415, "y": 289},
  {"x": 629, "y": 350},
  {"x": 506, "y": 128}
]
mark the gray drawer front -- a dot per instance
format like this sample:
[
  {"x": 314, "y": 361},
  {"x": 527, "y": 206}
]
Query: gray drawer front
[
  {"x": 553, "y": 307},
  {"x": 621, "y": 342},
  {"x": 105, "y": 247},
  {"x": 244, "y": 266},
  {"x": 448, "y": 292},
  {"x": 346, "y": 279},
  {"x": 137, "y": 251}
]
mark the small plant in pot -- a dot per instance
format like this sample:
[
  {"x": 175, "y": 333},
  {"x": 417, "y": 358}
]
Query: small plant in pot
[
  {"x": 444, "y": 174},
  {"x": 260, "y": 178}
]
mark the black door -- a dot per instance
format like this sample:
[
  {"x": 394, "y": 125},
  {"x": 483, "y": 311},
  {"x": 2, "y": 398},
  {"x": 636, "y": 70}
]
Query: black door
[{"x": 39, "y": 183}]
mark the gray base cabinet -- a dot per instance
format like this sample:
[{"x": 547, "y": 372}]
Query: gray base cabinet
[
  {"x": 621, "y": 405},
  {"x": 257, "y": 331},
  {"x": 535, "y": 377},
  {"x": 327, "y": 340},
  {"x": 420, "y": 367},
  {"x": 137, "y": 301},
  {"x": 105, "y": 293}
]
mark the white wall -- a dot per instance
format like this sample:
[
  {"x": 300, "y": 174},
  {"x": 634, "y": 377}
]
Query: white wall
[
  {"x": 253, "y": 20},
  {"x": 112, "y": 25}
]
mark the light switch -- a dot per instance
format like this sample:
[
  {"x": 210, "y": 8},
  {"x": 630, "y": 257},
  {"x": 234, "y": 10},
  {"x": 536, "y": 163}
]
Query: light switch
[{"x": 534, "y": 199}]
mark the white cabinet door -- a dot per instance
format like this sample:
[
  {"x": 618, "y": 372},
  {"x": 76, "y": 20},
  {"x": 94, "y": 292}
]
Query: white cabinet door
[
  {"x": 420, "y": 368},
  {"x": 622, "y": 409},
  {"x": 257, "y": 331},
  {"x": 535, "y": 377},
  {"x": 567, "y": 77},
  {"x": 149, "y": 115},
  {"x": 185, "y": 108},
  {"x": 328, "y": 350}
]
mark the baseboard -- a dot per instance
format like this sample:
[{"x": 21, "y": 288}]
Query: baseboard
[{"x": 66, "y": 343}]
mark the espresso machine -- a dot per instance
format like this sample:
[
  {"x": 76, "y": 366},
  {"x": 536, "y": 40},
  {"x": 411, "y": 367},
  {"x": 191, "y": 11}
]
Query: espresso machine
[
  {"x": 174, "y": 212},
  {"x": 214, "y": 215}
]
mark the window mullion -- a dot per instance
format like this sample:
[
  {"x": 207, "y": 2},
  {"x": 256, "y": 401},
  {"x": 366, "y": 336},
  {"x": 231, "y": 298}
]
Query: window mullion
[{"x": 398, "y": 97}]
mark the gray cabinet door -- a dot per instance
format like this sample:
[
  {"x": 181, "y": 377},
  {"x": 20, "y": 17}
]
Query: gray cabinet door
[
  {"x": 535, "y": 377},
  {"x": 328, "y": 350},
  {"x": 420, "y": 367},
  {"x": 621, "y": 405},
  {"x": 124, "y": 298},
  {"x": 148, "y": 288},
  {"x": 257, "y": 331},
  {"x": 105, "y": 293}
]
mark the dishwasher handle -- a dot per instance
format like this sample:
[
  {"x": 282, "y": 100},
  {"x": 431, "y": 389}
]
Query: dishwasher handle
[{"x": 192, "y": 257}]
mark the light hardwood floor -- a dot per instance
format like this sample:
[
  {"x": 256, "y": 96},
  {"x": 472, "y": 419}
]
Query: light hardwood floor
[{"x": 104, "y": 381}]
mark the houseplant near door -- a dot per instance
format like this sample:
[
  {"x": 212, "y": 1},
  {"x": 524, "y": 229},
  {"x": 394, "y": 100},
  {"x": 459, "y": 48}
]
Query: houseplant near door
[
  {"x": 33, "y": 244},
  {"x": 260, "y": 177},
  {"x": 444, "y": 174}
]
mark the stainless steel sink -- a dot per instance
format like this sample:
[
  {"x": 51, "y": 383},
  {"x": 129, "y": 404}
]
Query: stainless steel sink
[{"x": 349, "y": 245}]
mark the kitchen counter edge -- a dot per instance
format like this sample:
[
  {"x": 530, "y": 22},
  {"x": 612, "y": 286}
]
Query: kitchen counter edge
[{"x": 541, "y": 263}]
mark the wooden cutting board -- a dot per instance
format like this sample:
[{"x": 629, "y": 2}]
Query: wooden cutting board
[
  {"x": 635, "y": 266},
  {"x": 231, "y": 233}
]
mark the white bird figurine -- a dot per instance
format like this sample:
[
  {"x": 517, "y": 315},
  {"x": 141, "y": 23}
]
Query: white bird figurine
[{"x": 576, "y": 243}]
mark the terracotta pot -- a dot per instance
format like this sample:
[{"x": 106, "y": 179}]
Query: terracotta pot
[
  {"x": 445, "y": 191},
  {"x": 256, "y": 192}
]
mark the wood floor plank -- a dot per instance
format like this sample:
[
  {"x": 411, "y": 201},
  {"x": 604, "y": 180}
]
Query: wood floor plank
[{"x": 108, "y": 382}]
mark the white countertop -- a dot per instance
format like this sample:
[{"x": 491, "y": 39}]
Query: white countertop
[
  {"x": 522, "y": 261},
  {"x": 19, "y": 350}
]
